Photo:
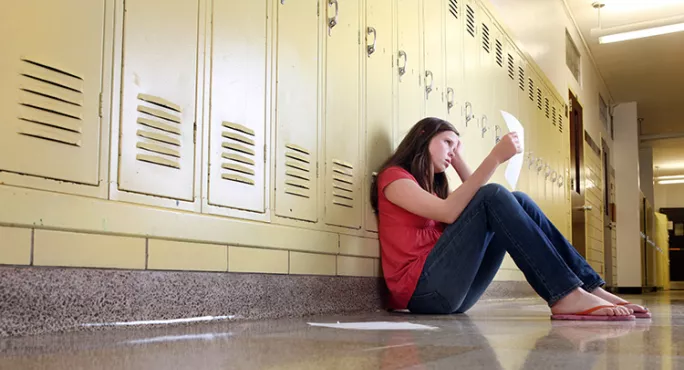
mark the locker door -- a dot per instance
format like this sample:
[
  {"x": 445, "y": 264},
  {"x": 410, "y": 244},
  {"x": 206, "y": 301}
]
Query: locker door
[
  {"x": 548, "y": 157},
  {"x": 238, "y": 109},
  {"x": 379, "y": 84},
  {"x": 501, "y": 84},
  {"x": 454, "y": 55},
  {"x": 540, "y": 144},
  {"x": 519, "y": 104},
  {"x": 297, "y": 110},
  {"x": 531, "y": 134},
  {"x": 410, "y": 92},
  {"x": 51, "y": 73},
  {"x": 487, "y": 82},
  {"x": 472, "y": 82},
  {"x": 455, "y": 90},
  {"x": 433, "y": 38},
  {"x": 342, "y": 116},
  {"x": 157, "y": 148}
]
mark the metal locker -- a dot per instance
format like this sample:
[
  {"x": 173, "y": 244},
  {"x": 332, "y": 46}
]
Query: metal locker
[
  {"x": 548, "y": 149},
  {"x": 487, "y": 82},
  {"x": 379, "y": 94},
  {"x": 410, "y": 105},
  {"x": 497, "y": 47},
  {"x": 158, "y": 121},
  {"x": 531, "y": 134},
  {"x": 454, "y": 92},
  {"x": 343, "y": 173},
  {"x": 472, "y": 83},
  {"x": 454, "y": 54},
  {"x": 51, "y": 72},
  {"x": 297, "y": 110},
  {"x": 237, "y": 151},
  {"x": 433, "y": 51},
  {"x": 540, "y": 145},
  {"x": 522, "y": 105}
]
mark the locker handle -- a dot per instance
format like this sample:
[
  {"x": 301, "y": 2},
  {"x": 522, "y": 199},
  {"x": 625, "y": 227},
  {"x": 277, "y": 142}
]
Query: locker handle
[
  {"x": 539, "y": 164},
  {"x": 450, "y": 98},
  {"x": 332, "y": 21},
  {"x": 554, "y": 176},
  {"x": 497, "y": 131},
  {"x": 402, "y": 69},
  {"x": 560, "y": 181},
  {"x": 468, "y": 112},
  {"x": 484, "y": 125},
  {"x": 371, "y": 47},
  {"x": 530, "y": 160},
  {"x": 547, "y": 170},
  {"x": 428, "y": 87}
]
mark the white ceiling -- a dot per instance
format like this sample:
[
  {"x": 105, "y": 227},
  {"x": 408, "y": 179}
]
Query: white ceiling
[{"x": 649, "y": 71}]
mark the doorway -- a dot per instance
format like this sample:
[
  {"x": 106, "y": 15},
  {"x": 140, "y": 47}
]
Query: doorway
[
  {"x": 579, "y": 221},
  {"x": 608, "y": 216},
  {"x": 675, "y": 217}
]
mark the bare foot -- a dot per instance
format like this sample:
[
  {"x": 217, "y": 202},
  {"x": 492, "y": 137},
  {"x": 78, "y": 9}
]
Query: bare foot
[
  {"x": 580, "y": 300},
  {"x": 612, "y": 298}
]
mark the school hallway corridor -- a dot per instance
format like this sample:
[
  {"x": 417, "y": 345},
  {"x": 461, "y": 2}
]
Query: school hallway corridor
[{"x": 494, "y": 335}]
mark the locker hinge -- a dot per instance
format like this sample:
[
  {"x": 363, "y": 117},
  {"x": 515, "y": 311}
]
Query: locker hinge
[
  {"x": 358, "y": 34},
  {"x": 99, "y": 108},
  {"x": 124, "y": 5},
  {"x": 318, "y": 9},
  {"x": 316, "y": 169},
  {"x": 265, "y": 153},
  {"x": 194, "y": 132}
]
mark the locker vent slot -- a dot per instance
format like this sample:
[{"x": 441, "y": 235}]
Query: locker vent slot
[
  {"x": 239, "y": 154},
  {"x": 159, "y": 134},
  {"x": 485, "y": 38},
  {"x": 499, "y": 53},
  {"x": 539, "y": 99},
  {"x": 531, "y": 90},
  {"x": 343, "y": 183},
  {"x": 511, "y": 67},
  {"x": 546, "y": 104},
  {"x": 521, "y": 81},
  {"x": 297, "y": 171},
  {"x": 553, "y": 114},
  {"x": 560, "y": 122},
  {"x": 453, "y": 8},
  {"x": 50, "y": 103},
  {"x": 470, "y": 20}
]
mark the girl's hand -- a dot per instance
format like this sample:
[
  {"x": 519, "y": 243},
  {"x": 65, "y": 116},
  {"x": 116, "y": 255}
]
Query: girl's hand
[
  {"x": 506, "y": 148},
  {"x": 458, "y": 153}
]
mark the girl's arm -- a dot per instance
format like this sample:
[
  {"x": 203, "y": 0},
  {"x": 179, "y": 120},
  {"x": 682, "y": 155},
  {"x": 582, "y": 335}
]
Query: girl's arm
[{"x": 409, "y": 195}]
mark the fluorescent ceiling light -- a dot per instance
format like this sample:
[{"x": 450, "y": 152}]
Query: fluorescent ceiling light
[
  {"x": 648, "y": 32},
  {"x": 667, "y": 182},
  {"x": 672, "y": 177}
]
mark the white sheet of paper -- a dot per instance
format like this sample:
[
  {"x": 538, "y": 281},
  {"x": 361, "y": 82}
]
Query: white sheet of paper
[
  {"x": 374, "y": 325},
  {"x": 512, "y": 173}
]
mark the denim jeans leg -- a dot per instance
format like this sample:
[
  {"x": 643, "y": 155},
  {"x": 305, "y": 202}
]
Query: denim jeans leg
[
  {"x": 577, "y": 263},
  {"x": 543, "y": 267},
  {"x": 493, "y": 257}
]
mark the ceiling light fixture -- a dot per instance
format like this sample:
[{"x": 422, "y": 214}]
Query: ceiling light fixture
[
  {"x": 635, "y": 30},
  {"x": 669, "y": 182},
  {"x": 671, "y": 177}
]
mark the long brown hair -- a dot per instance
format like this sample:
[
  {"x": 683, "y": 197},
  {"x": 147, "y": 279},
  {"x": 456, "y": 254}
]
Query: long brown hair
[{"x": 413, "y": 155}]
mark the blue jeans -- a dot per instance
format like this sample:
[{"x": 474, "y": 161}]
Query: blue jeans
[{"x": 465, "y": 259}]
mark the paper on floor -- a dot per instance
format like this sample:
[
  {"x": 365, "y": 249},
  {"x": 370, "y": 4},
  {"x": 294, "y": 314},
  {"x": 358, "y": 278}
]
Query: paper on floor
[
  {"x": 374, "y": 325},
  {"x": 515, "y": 163}
]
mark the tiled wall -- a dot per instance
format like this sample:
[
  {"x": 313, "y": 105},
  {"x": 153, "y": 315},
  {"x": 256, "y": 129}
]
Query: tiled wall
[{"x": 39, "y": 247}]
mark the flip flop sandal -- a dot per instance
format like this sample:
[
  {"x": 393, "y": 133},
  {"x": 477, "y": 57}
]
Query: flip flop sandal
[
  {"x": 638, "y": 314},
  {"x": 585, "y": 315}
]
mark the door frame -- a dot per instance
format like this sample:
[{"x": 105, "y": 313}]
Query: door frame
[{"x": 577, "y": 187}]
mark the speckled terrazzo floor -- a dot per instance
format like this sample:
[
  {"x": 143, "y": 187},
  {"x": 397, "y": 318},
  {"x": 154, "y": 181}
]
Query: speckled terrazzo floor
[{"x": 494, "y": 335}]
